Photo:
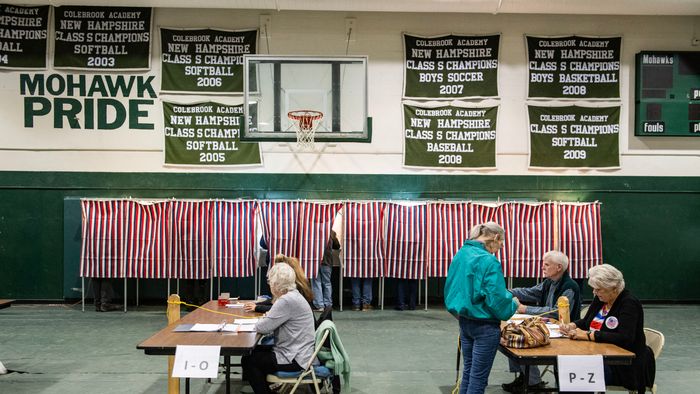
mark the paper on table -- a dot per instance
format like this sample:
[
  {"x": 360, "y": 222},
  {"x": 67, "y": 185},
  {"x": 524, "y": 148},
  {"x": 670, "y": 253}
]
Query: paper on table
[
  {"x": 246, "y": 328},
  {"x": 520, "y": 316},
  {"x": 234, "y": 305},
  {"x": 201, "y": 327},
  {"x": 245, "y": 321},
  {"x": 554, "y": 330}
]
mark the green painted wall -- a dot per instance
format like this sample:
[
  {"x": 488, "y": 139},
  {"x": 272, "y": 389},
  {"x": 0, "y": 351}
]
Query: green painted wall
[{"x": 651, "y": 225}]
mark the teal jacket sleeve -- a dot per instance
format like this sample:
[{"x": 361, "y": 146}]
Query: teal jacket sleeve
[{"x": 498, "y": 300}]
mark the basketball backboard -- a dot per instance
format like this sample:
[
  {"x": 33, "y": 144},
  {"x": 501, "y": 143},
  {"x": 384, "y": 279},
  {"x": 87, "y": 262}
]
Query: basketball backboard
[{"x": 278, "y": 85}]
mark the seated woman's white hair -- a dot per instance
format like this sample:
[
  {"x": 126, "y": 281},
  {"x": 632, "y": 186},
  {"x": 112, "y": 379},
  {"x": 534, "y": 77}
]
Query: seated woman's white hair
[
  {"x": 605, "y": 276},
  {"x": 281, "y": 278}
]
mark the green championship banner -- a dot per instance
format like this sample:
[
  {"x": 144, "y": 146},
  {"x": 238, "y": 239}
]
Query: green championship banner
[
  {"x": 450, "y": 137},
  {"x": 23, "y": 36},
  {"x": 102, "y": 38},
  {"x": 207, "y": 134},
  {"x": 450, "y": 66},
  {"x": 573, "y": 67},
  {"x": 574, "y": 137},
  {"x": 204, "y": 60}
]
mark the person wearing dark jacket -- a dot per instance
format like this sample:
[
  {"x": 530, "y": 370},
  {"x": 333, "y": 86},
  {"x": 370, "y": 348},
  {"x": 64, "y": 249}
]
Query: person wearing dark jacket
[
  {"x": 541, "y": 299},
  {"x": 616, "y": 316}
]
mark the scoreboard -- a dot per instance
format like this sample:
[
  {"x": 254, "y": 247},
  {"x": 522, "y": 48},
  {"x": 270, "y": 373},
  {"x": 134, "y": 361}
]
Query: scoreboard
[{"x": 667, "y": 94}]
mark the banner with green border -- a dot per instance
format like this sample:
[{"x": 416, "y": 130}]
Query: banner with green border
[
  {"x": 450, "y": 137},
  {"x": 573, "y": 67},
  {"x": 574, "y": 137},
  {"x": 102, "y": 38},
  {"x": 204, "y": 60},
  {"x": 207, "y": 134},
  {"x": 450, "y": 66},
  {"x": 23, "y": 36}
]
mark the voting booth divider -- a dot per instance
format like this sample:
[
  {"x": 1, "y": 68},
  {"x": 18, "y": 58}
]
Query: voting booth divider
[{"x": 206, "y": 239}]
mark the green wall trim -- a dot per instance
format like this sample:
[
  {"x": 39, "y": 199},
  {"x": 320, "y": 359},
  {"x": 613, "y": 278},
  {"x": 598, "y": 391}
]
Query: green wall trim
[
  {"x": 650, "y": 224},
  {"x": 362, "y": 184}
]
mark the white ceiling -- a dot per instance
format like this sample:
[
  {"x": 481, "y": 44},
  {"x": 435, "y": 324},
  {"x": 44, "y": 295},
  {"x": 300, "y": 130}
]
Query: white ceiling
[{"x": 578, "y": 7}]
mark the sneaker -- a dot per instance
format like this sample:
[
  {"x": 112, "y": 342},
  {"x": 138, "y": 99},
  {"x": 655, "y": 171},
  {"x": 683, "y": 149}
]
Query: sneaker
[
  {"x": 356, "y": 308},
  {"x": 367, "y": 307},
  {"x": 516, "y": 384}
]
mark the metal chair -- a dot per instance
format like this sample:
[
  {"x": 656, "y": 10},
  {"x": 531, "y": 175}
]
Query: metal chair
[
  {"x": 655, "y": 340},
  {"x": 312, "y": 374}
]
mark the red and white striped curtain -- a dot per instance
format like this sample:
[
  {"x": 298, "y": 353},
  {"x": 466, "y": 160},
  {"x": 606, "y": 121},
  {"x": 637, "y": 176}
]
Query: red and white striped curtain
[
  {"x": 146, "y": 252},
  {"x": 190, "y": 240},
  {"x": 499, "y": 213},
  {"x": 580, "y": 236},
  {"x": 280, "y": 222},
  {"x": 362, "y": 239},
  {"x": 103, "y": 236},
  {"x": 449, "y": 228},
  {"x": 315, "y": 223},
  {"x": 234, "y": 238},
  {"x": 406, "y": 241},
  {"x": 531, "y": 235}
]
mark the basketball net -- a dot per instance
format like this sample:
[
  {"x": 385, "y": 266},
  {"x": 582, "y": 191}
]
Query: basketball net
[{"x": 307, "y": 122}]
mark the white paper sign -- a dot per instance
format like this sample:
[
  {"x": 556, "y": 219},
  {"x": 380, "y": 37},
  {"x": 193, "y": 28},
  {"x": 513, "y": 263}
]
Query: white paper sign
[
  {"x": 581, "y": 373},
  {"x": 196, "y": 361}
]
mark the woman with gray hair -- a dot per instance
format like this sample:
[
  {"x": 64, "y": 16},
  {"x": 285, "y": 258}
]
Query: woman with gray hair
[
  {"x": 475, "y": 293},
  {"x": 616, "y": 316},
  {"x": 292, "y": 322}
]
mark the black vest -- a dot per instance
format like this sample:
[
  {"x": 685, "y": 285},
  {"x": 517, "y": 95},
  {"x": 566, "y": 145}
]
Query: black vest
[{"x": 565, "y": 283}]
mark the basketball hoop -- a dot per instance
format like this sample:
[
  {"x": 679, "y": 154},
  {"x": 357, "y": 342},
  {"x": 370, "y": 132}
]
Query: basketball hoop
[{"x": 307, "y": 122}]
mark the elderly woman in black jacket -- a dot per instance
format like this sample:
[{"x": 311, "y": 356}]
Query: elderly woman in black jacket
[{"x": 616, "y": 316}]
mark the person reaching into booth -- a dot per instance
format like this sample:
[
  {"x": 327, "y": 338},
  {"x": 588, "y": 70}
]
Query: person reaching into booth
[
  {"x": 291, "y": 320},
  {"x": 475, "y": 293},
  {"x": 616, "y": 316},
  {"x": 542, "y": 299},
  {"x": 323, "y": 289}
]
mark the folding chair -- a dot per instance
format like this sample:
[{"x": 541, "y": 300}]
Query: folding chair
[
  {"x": 312, "y": 374},
  {"x": 655, "y": 340}
]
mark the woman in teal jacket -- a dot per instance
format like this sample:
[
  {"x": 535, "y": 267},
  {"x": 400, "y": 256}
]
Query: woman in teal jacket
[{"x": 475, "y": 293}]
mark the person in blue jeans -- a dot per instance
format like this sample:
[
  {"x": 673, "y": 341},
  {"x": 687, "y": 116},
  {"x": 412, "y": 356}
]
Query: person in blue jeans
[
  {"x": 406, "y": 294},
  {"x": 322, "y": 287},
  {"x": 475, "y": 293},
  {"x": 361, "y": 294}
]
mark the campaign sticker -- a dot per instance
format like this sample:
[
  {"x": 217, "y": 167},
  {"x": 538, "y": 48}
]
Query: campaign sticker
[{"x": 611, "y": 322}]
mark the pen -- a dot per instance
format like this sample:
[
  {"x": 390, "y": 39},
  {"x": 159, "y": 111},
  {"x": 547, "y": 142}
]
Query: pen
[{"x": 223, "y": 325}]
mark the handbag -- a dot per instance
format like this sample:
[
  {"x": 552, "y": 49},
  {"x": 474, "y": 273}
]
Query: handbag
[{"x": 532, "y": 332}]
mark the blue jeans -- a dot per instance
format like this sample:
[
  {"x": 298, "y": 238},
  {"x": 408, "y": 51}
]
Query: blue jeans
[
  {"x": 364, "y": 296},
  {"x": 406, "y": 293},
  {"x": 323, "y": 289},
  {"x": 479, "y": 340}
]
